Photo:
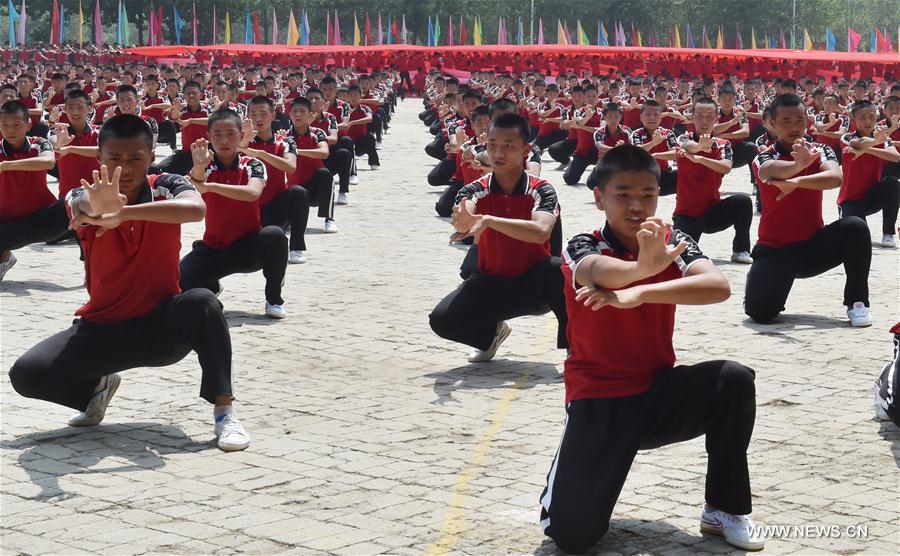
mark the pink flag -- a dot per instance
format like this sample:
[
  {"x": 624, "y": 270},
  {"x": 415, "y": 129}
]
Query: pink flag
[
  {"x": 98, "y": 25},
  {"x": 152, "y": 24},
  {"x": 337, "y": 30},
  {"x": 540, "y": 31},
  {"x": 194, "y": 21},
  {"x": 783, "y": 41},
  {"x": 888, "y": 42},
  {"x": 501, "y": 33},
  {"x": 853, "y": 39},
  {"x": 566, "y": 32},
  {"x": 379, "y": 35},
  {"x": 274, "y": 27}
]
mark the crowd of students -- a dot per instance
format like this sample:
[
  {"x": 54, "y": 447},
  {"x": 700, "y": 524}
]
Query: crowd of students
[
  {"x": 254, "y": 147},
  {"x": 252, "y": 151},
  {"x": 614, "y": 290}
]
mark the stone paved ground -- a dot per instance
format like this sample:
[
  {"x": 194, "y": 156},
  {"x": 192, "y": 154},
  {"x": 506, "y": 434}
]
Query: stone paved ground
[{"x": 371, "y": 435}]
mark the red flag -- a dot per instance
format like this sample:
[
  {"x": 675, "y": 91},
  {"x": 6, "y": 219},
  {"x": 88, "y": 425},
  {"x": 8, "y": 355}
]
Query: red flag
[
  {"x": 152, "y": 37},
  {"x": 395, "y": 32},
  {"x": 327, "y": 27},
  {"x": 159, "y": 20},
  {"x": 463, "y": 34},
  {"x": 368, "y": 30},
  {"x": 881, "y": 44},
  {"x": 853, "y": 39},
  {"x": 54, "y": 24},
  {"x": 257, "y": 36}
]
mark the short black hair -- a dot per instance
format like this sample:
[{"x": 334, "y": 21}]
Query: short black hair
[
  {"x": 259, "y": 99},
  {"x": 703, "y": 100},
  {"x": 77, "y": 94},
  {"x": 513, "y": 121},
  {"x": 861, "y": 105},
  {"x": 125, "y": 126},
  {"x": 891, "y": 100},
  {"x": 123, "y": 89},
  {"x": 327, "y": 80},
  {"x": 624, "y": 158},
  {"x": 225, "y": 114},
  {"x": 13, "y": 108},
  {"x": 193, "y": 84},
  {"x": 301, "y": 101},
  {"x": 471, "y": 93},
  {"x": 788, "y": 100},
  {"x": 315, "y": 91},
  {"x": 479, "y": 112},
  {"x": 727, "y": 90},
  {"x": 650, "y": 104},
  {"x": 612, "y": 107},
  {"x": 503, "y": 105},
  {"x": 352, "y": 88}
]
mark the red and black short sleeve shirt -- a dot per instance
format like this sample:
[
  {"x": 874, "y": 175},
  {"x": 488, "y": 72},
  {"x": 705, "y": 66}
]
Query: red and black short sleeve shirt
[
  {"x": 228, "y": 220},
  {"x": 22, "y": 193},
  {"x": 698, "y": 186}
]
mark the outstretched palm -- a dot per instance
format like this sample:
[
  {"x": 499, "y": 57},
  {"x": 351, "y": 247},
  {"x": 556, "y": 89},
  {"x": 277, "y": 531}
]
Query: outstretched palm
[{"x": 103, "y": 194}]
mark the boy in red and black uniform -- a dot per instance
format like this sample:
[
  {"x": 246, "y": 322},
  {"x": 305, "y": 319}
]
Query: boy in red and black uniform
[
  {"x": 234, "y": 241},
  {"x": 75, "y": 144},
  {"x": 357, "y": 129},
  {"x": 29, "y": 213},
  {"x": 793, "y": 241},
  {"x": 562, "y": 150},
  {"x": 864, "y": 191},
  {"x": 191, "y": 118},
  {"x": 156, "y": 107},
  {"x": 311, "y": 173},
  {"x": 136, "y": 316},
  {"x": 341, "y": 149},
  {"x": 549, "y": 114},
  {"x": 279, "y": 205},
  {"x": 31, "y": 98},
  {"x": 623, "y": 390},
  {"x": 830, "y": 125},
  {"x": 702, "y": 162},
  {"x": 659, "y": 142},
  {"x": 511, "y": 215},
  {"x": 587, "y": 122},
  {"x": 733, "y": 125},
  {"x": 605, "y": 138}
]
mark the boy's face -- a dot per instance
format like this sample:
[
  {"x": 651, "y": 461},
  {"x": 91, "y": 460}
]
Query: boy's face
[
  {"x": 613, "y": 118},
  {"x": 705, "y": 117},
  {"x": 151, "y": 86},
  {"x": 590, "y": 97},
  {"x": 317, "y": 101},
  {"x": 470, "y": 104},
  {"x": 76, "y": 110},
  {"x": 24, "y": 86},
  {"x": 13, "y": 127},
  {"x": 831, "y": 105},
  {"x": 506, "y": 149},
  {"x": 865, "y": 119},
  {"x": 261, "y": 116},
  {"x": 891, "y": 109},
  {"x": 192, "y": 95},
  {"x": 355, "y": 97},
  {"x": 789, "y": 123},
  {"x": 727, "y": 102},
  {"x": 225, "y": 136},
  {"x": 133, "y": 155},
  {"x": 480, "y": 124},
  {"x": 127, "y": 102},
  {"x": 650, "y": 117},
  {"x": 301, "y": 116},
  {"x": 661, "y": 97},
  {"x": 628, "y": 199},
  {"x": 7, "y": 95}
]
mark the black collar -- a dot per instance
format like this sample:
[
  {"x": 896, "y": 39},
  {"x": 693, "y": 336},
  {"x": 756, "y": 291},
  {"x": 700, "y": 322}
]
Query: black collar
[
  {"x": 610, "y": 238},
  {"x": 520, "y": 187},
  {"x": 781, "y": 149},
  {"x": 146, "y": 195},
  {"x": 9, "y": 150},
  {"x": 219, "y": 165},
  {"x": 258, "y": 140}
]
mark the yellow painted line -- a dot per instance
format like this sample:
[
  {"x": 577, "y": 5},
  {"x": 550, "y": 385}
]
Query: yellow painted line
[{"x": 450, "y": 532}]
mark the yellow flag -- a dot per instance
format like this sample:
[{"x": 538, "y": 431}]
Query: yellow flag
[
  {"x": 80, "y": 24},
  {"x": 476, "y": 32},
  {"x": 356, "y": 38},
  {"x": 640, "y": 40},
  {"x": 752, "y": 38},
  {"x": 227, "y": 28},
  {"x": 677, "y": 38},
  {"x": 560, "y": 33},
  {"x": 807, "y": 42},
  {"x": 720, "y": 42},
  {"x": 766, "y": 40},
  {"x": 293, "y": 36}
]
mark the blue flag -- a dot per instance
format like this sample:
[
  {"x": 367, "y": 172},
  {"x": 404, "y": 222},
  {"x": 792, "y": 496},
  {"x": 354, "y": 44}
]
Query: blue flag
[
  {"x": 13, "y": 18},
  {"x": 390, "y": 31},
  {"x": 304, "y": 37},
  {"x": 179, "y": 23},
  {"x": 521, "y": 32},
  {"x": 62, "y": 23},
  {"x": 248, "y": 29},
  {"x": 430, "y": 33},
  {"x": 602, "y": 38},
  {"x": 873, "y": 46},
  {"x": 690, "y": 37},
  {"x": 830, "y": 40}
]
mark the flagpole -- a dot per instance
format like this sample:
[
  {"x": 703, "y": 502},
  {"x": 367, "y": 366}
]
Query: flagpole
[{"x": 531, "y": 33}]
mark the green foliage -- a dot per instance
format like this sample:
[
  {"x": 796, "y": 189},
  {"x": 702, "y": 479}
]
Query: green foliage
[{"x": 764, "y": 16}]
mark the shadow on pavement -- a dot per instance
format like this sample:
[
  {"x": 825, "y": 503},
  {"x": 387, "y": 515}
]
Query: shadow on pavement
[
  {"x": 49, "y": 455},
  {"x": 499, "y": 373}
]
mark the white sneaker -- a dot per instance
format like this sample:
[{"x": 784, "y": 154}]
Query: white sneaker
[
  {"x": 887, "y": 240},
  {"x": 231, "y": 434},
  {"x": 374, "y": 166},
  {"x": 479, "y": 356},
  {"x": 859, "y": 315},
  {"x": 331, "y": 227},
  {"x": 377, "y": 144},
  {"x": 880, "y": 404},
  {"x": 296, "y": 257},
  {"x": 342, "y": 199},
  {"x": 738, "y": 530},
  {"x": 742, "y": 257},
  {"x": 275, "y": 311},
  {"x": 6, "y": 265},
  {"x": 96, "y": 408},
  {"x": 354, "y": 179}
]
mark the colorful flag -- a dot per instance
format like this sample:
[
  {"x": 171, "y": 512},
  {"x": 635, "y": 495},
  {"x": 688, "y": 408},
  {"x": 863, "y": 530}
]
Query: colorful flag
[
  {"x": 13, "y": 18},
  {"x": 879, "y": 44},
  {"x": 521, "y": 32},
  {"x": 501, "y": 32},
  {"x": 888, "y": 43},
  {"x": 705, "y": 38},
  {"x": 540, "y": 31},
  {"x": 54, "y": 22},
  {"x": 248, "y": 27},
  {"x": 257, "y": 36},
  {"x": 450, "y": 30},
  {"x": 304, "y": 29},
  {"x": 23, "y": 16},
  {"x": 403, "y": 31},
  {"x": 368, "y": 30},
  {"x": 677, "y": 43},
  {"x": 215, "y": 28},
  {"x": 560, "y": 34},
  {"x": 356, "y": 33},
  {"x": 159, "y": 22},
  {"x": 873, "y": 43},
  {"x": 752, "y": 38},
  {"x": 738, "y": 40},
  {"x": 328, "y": 34},
  {"x": 783, "y": 40},
  {"x": 380, "y": 33},
  {"x": 568, "y": 34},
  {"x": 227, "y": 28},
  {"x": 430, "y": 40},
  {"x": 62, "y": 23},
  {"x": 720, "y": 41},
  {"x": 274, "y": 27},
  {"x": 393, "y": 33},
  {"x": 622, "y": 35},
  {"x": 830, "y": 40},
  {"x": 179, "y": 23},
  {"x": 640, "y": 39},
  {"x": 807, "y": 41},
  {"x": 293, "y": 34},
  {"x": 194, "y": 21},
  {"x": 582, "y": 36},
  {"x": 476, "y": 32},
  {"x": 437, "y": 31},
  {"x": 463, "y": 32},
  {"x": 689, "y": 39},
  {"x": 602, "y": 37},
  {"x": 80, "y": 23}
]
